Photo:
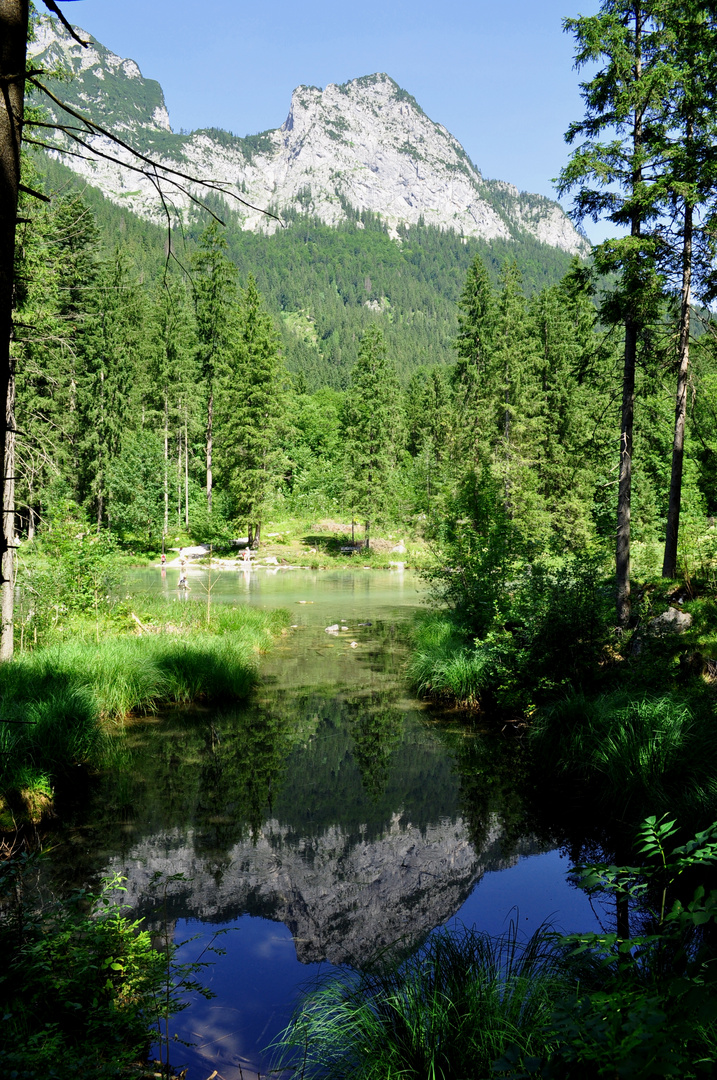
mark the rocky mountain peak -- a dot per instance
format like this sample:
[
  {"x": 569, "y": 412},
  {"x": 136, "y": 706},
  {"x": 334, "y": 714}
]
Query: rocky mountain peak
[{"x": 362, "y": 146}]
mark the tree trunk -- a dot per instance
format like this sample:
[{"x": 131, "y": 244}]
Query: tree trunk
[
  {"x": 624, "y": 496},
  {"x": 669, "y": 565},
  {"x": 622, "y": 551},
  {"x": 210, "y": 422},
  {"x": 186, "y": 472},
  {"x": 179, "y": 478},
  {"x": 13, "y": 45},
  {"x": 8, "y": 502},
  {"x": 257, "y": 535},
  {"x": 166, "y": 465},
  {"x": 250, "y": 536}
]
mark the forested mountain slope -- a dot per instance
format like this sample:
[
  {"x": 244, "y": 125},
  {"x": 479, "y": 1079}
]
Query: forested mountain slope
[{"x": 324, "y": 285}]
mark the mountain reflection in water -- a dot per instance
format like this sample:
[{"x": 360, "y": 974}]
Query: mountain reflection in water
[{"x": 334, "y": 804}]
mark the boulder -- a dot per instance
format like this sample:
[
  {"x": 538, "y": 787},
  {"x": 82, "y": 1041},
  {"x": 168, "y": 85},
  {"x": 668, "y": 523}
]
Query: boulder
[{"x": 672, "y": 621}]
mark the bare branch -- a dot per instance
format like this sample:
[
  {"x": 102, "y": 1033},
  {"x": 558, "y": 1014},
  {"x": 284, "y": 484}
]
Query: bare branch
[
  {"x": 35, "y": 194},
  {"x": 52, "y": 6},
  {"x": 220, "y": 186}
]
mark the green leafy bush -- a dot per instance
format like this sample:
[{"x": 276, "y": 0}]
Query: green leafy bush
[{"x": 79, "y": 987}]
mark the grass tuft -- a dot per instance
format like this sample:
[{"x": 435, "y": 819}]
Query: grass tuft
[
  {"x": 449, "y": 1011},
  {"x": 640, "y": 752}
]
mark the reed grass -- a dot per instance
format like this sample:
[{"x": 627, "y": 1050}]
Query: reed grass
[
  {"x": 634, "y": 753},
  {"x": 59, "y": 704},
  {"x": 447, "y": 1013},
  {"x": 443, "y": 665}
]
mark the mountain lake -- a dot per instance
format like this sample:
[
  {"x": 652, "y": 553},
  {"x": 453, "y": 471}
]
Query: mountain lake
[{"x": 332, "y": 818}]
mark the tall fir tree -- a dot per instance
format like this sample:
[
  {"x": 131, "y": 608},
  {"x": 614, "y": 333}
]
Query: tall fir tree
[
  {"x": 114, "y": 360},
  {"x": 174, "y": 380},
  {"x": 612, "y": 170},
  {"x": 372, "y": 430},
  {"x": 215, "y": 302},
  {"x": 251, "y": 411},
  {"x": 688, "y": 190}
]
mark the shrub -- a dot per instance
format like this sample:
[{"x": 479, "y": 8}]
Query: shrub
[{"x": 79, "y": 985}]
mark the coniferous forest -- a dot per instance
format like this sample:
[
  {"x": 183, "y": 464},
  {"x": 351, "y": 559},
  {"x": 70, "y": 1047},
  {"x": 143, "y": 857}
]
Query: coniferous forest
[{"x": 534, "y": 434}]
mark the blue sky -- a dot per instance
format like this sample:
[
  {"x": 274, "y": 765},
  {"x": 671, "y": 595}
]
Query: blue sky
[{"x": 498, "y": 75}]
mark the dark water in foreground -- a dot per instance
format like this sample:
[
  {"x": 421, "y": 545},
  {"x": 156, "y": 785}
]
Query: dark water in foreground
[{"x": 332, "y": 818}]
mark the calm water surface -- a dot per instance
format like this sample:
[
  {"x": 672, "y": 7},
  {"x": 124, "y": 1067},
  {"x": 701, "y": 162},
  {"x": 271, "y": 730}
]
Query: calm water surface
[{"x": 332, "y": 818}]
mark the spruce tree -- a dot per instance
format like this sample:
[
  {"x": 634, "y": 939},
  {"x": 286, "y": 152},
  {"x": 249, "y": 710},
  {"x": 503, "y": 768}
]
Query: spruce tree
[
  {"x": 215, "y": 300},
  {"x": 251, "y": 411},
  {"x": 688, "y": 190},
  {"x": 612, "y": 170},
  {"x": 472, "y": 374},
  {"x": 372, "y": 432},
  {"x": 174, "y": 380},
  {"x": 113, "y": 365}
]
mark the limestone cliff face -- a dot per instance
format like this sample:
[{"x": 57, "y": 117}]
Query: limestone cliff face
[
  {"x": 343, "y": 898},
  {"x": 363, "y": 146}
]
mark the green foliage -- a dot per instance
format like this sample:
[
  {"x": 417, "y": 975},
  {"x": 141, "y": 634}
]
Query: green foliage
[
  {"x": 449, "y": 1011},
  {"x": 544, "y": 624},
  {"x": 631, "y": 750},
  {"x": 648, "y": 1007},
  {"x": 73, "y": 571},
  {"x": 252, "y": 408},
  {"x": 84, "y": 990},
  {"x": 371, "y": 429},
  {"x": 80, "y": 984}
]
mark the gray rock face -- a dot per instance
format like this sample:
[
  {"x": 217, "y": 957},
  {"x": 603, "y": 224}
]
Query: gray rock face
[
  {"x": 341, "y": 898},
  {"x": 363, "y": 146}
]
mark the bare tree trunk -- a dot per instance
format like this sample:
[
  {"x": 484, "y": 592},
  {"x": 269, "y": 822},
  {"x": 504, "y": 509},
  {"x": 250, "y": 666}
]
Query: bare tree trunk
[
  {"x": 210, "y": 422},
  {"x": 179, "y": 478},
  {"x": 166, "y": 463},
  {"x": 186, "y": 470},
  {"x": 669, "y": 565},
  {"x": 8, "y": 502},
  {"x": 257, "y": 534},
  {"x": 624, "y": 496},
  {"x": 13, "y": 44}
]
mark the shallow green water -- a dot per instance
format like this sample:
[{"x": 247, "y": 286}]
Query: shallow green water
[{"x": 333, "y": 817}]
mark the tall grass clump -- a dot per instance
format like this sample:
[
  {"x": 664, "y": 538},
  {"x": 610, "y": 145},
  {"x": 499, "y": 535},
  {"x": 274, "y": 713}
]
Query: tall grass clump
[
  {"x": 59, "y": 704},
  {"x": 442, "y": 664},
  {"x": 448, "y": 1012},
  {"x": 631, "y": 752}
]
